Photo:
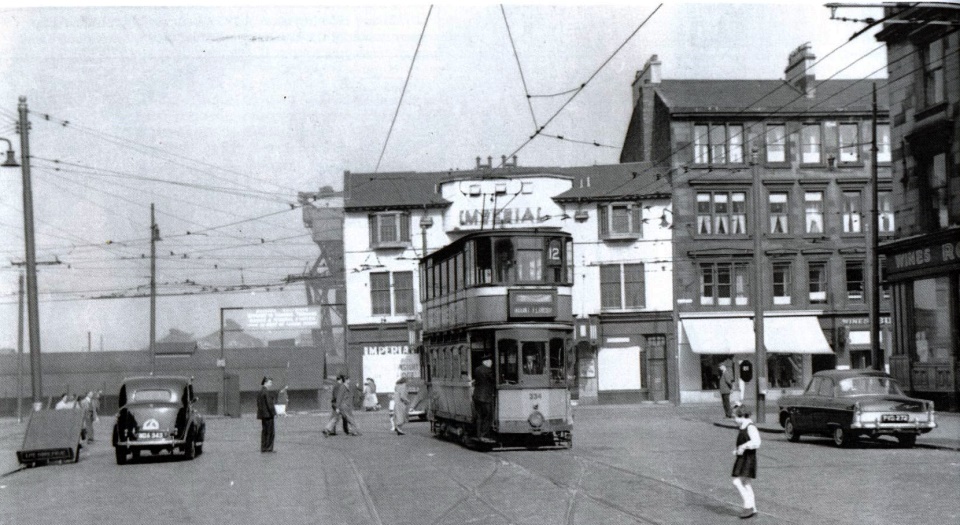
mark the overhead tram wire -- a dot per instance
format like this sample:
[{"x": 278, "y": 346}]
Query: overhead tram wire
[
  {"x": 404, "y": 90},
  {"x": 523, "y": 80},
  {"x": 582, "y": 87},
  {"x": 138, "y": 147}
]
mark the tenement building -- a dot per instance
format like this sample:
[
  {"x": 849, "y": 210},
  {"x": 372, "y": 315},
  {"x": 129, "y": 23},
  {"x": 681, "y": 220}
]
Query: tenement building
[
  {"x": 613, "y": 305},
  {"x": 788, "y": 161},
  {"x": 923, "y": 260}
]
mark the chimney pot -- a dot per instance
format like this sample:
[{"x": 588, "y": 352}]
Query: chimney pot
[{"x": 799, "y": 71}]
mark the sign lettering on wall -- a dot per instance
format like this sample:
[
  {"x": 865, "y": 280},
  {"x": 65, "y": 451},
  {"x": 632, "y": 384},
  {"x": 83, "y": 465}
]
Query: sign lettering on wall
[
  {"x": 282, "y": 318},
  {"x": 387, "y": 363},
  {"x": 502, "y": 203},
  {"x": 940, "y": 254}
]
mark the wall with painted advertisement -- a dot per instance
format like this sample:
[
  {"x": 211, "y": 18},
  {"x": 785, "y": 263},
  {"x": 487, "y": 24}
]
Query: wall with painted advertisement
[{"x": 385, "y": 363}]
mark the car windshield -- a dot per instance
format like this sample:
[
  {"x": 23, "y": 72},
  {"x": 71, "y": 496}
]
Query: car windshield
[
  {"x": 153, "y": 396},
  {"x": 858, "y": 386}
]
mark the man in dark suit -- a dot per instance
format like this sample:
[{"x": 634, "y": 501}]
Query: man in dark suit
[
  {"x": 266, "y": 412},
  {"x": 484, "y": 393},
  {"x": 726, "y": 386}
]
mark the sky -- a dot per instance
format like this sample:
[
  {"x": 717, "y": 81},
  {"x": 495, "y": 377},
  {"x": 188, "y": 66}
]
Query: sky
[{"x": 219, "y": 116}]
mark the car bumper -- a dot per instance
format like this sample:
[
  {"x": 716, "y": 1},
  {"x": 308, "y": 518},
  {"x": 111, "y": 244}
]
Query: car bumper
[
  {"x": 919, "y": 427},
  {"x": 159, "y": 443}
]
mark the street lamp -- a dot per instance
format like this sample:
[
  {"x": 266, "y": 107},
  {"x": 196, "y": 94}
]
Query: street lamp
[{"x": 10, "y": 162}]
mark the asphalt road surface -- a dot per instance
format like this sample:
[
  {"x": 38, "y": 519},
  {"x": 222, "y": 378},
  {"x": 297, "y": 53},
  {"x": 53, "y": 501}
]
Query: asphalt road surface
[{"x": 629, "y": 464}]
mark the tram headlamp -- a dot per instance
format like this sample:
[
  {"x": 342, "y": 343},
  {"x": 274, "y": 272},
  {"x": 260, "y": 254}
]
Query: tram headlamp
[{"x": 536, "y": 419}]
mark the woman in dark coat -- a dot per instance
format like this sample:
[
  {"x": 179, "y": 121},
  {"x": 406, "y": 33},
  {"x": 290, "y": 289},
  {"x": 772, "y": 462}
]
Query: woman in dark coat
[
  {"x": 401, "y": 403},
  {"x": 745, "y": 467}
]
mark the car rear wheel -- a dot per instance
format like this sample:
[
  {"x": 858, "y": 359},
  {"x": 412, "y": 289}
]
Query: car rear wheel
[
  {"x": 190, "y": 450},
  {"x": 790, "y": 431},
  {"x": 841, "y": 437},
  {"x": 907, "y": 440},
  {"x": 134, "y": 454},
  {"x": 121, "y": 455}
]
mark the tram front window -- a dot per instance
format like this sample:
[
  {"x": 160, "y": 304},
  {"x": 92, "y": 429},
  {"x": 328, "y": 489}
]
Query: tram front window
[
  {"x": 533, "y": 357},
  {"x": 556, "y": 360},
  {"x": 507, "y": 364}
]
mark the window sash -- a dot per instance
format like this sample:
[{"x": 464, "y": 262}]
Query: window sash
[
  {"x": 610, "y": 286},
  {"x": 776, "y": 143},
  {"x": 811, "y": 141},
  {"x": 701, "y": 145},
  {"x": 851, "y": 212},
  {"x": 633, "y": 285},
  {"x": 883, "y": 143},
  {"x": 933, "y": 72},
  {"x": 781, "y": 283},
  {"x": 854, "y": 273},
  {"x": 779, "y": 213},
  {"x": 718, "y": 144},
  {"x": 403, "y": 293},
  {"x": 885, "y": 212},
  {"x": 813, "y": 202},
  {"x": 735, "y": 133},
  {"x": 706, "y": 284},
  {"x": 817, "y": 282},
  {"x": 849, "y": 143},
  {"x": 380, "y": 293}
]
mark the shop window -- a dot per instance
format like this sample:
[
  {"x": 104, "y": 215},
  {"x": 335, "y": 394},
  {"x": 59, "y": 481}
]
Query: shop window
[
  {"x": 811, "y": 142},
  {"x": 817, "y": 281},
  {"x": 854, "y": 281},
  {"x": 776, "y": 141},
  {"x": 779, "y": 212},
  {"x": 389, "y": 230},
  {"x": 852, "y": 203},
  {"x": 782, "y": 283},
  {"x": 724, "y": 284},
  {"x": 721, "y": 213},
  {"x": 785, "y": 370},
  {"x": 849, "y": 146},
  {"x": 931, "y": 320},
  {"x": 813, "y": 210}
]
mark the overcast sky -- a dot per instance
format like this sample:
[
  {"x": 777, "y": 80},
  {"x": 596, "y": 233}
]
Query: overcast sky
[{"x": 221, "y": 115}]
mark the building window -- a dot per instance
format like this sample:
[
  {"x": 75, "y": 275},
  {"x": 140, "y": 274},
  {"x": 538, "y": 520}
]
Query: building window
[
  {"x": 785, "y": 370},
  {"x": 810, "y": 145},
  {"x": 883, "y": 143},
  {"x": 885, "y": 212},
  {"x": 931, "y": 314},
  {"x": 389, "y": 229},
  {"x": 620, "y": 220},
  {"x": 776, "y": 143},
  {"x": 718, "y": 144},
  {"x": 622, "y": 286},
  {"x": 933, "y": 78},
  {"x": 724, "y": 284},
  {"x": 781, "y": 283},
  {"x": 855, "y": 281},
  {"x": 380, "y": 293},
  {"x": 779, "y": 212},
  {"x": 851, "y": 212},
  {"x": 813, "y": 207},
  {"x": 849, "y": 143},
  {"x": 817, "y": 279},
  {"x": 939, "y": 198},
  {"x": 722, "y": 213},
  {"x": 380, "y": 289}
]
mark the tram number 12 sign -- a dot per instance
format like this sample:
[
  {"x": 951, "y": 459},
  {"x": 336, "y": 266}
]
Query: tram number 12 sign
[{"x": 532, "y": 304}]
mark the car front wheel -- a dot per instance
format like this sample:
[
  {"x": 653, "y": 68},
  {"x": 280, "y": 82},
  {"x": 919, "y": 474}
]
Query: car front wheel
[
  {"x": 841, "y": 437},
  {"x": 790, "y": 431},
  {"x": 190, "y": 450}
]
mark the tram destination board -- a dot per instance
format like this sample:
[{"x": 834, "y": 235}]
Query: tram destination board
[{"x": 532, "y": 304}]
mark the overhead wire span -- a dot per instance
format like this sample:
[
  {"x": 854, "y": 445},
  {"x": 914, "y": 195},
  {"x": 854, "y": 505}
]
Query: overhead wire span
[
  {"x": 523, "y": 80},
  {"x": 404, "y": 90}
]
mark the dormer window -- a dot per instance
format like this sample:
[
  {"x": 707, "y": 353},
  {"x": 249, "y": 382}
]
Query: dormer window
[
  {"x": 620, "y": 220},
  {"x": 389, "y": 230}
]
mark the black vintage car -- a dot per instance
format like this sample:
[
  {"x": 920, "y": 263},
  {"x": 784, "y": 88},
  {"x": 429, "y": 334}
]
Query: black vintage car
[
  {"x": 848, "y": 404},
  {"x": 157, "y": 414}
]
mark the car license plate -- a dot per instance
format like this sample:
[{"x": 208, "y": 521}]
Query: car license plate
[
  {"x": 894, "y": 418},
  {"x": 150, "y": 435}
]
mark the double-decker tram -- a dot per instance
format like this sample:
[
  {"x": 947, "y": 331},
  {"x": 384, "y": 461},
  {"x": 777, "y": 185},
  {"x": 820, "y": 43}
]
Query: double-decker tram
[{"x": 503, "y": 295}]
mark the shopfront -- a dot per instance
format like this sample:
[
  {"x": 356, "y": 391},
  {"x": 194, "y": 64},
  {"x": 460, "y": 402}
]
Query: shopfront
[
  {"x": 925, "y": 276},
  {"x": 792, "y": 343}
]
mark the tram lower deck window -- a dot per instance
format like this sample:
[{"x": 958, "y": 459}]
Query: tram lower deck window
[{"x": 507, "y": 363}]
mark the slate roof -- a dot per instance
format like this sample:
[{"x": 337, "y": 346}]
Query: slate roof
[
  {"x": 615, "y": 181},
  {"x": 752, "y": 97},
  {"x": 396, "y": 190}
]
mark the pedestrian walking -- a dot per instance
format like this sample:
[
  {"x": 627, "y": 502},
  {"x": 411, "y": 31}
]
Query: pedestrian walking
[
  {"x": 745, "y": 467},
  {"x": 86, "y": 404},
  {"x": 370, "y": 401},
  {"x": 342, "y": 408},
  {"x": 401, "y": 404},
  {"x": 726, "y": 386},
  {"x": 484, "y": 391},
  {"x": 283, "y": 398},
  {"x": 266, "y": 413}
]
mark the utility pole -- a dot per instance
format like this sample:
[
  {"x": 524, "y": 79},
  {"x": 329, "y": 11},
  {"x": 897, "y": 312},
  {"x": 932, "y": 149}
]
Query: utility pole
[
  {"x": 20, "y": 348},
  {"x": 154, "y": 237},
  {"x": 33, "y": 310},
  {"x": 760, "y": 371},
  {"x": 873, "y": 260}
]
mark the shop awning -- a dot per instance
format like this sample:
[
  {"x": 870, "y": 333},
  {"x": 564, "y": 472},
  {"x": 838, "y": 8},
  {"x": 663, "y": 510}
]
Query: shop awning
[
  {"x": 794, "y": 335},
  {"x": 720, "y": 336}
]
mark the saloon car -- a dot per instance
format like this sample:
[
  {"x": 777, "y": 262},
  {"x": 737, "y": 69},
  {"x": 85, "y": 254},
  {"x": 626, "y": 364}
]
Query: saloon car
[
  {"x": 157, "y": 414},
  {"x": 849, "y": 404}
]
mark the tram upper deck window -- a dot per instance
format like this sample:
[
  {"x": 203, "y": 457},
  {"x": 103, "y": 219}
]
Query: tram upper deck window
[
  {"x": 505, "y": 260},
  {"x": 534, "y": 354},
  {"x": 507, "y": 363},
  {"x": 483, "y": 260}
]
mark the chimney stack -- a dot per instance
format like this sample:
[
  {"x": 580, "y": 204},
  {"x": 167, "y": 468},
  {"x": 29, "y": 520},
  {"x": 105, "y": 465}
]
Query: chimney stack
[
  {"x": 799, "y": 72},
  {"x": 648, "y": 76}
]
